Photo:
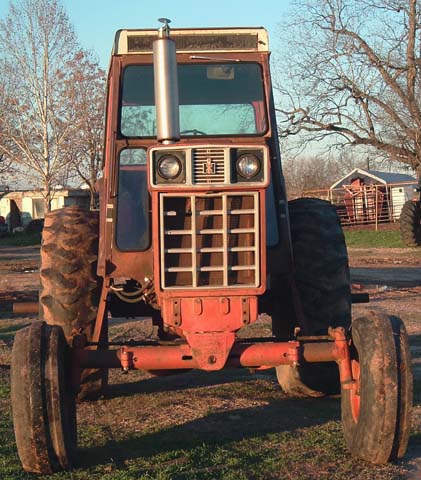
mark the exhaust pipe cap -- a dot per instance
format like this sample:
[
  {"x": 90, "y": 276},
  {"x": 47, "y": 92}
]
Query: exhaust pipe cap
[{"x": 164, "y": 31}]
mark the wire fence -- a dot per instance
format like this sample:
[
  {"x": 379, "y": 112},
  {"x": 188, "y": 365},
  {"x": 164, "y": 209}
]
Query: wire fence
[{"x": 367, "y": 204}]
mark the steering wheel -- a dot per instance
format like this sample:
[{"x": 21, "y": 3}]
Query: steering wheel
[{"x": 192, "y": 132}]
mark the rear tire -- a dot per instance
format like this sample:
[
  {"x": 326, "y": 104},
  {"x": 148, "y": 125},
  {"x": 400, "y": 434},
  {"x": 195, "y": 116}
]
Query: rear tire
[
  {"x": 70, "y": 289},
  {"x": 43, "y": 404},
  {"x": 376, "y": 416},
  {"x": 410, "y": 223},
  {"x": 323, "y": 283}
]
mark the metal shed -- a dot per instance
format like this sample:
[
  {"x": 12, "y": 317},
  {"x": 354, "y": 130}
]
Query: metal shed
[{"x": 367, "y": 196}]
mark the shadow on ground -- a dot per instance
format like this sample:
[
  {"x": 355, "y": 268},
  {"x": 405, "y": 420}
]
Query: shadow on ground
[
  {"x": 182, "y": 381},
  {"x": 390, "y": 276},
  {"x": 218, "y": 429}
]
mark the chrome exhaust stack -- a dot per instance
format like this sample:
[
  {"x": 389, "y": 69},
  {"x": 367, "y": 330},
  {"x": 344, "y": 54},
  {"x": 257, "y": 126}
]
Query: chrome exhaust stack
[{"x": 166, "y": 86}]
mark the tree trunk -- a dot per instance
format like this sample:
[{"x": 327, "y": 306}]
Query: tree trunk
[
  {"x": 92, "y": 192},
  {"x": 47, "y": 197}
]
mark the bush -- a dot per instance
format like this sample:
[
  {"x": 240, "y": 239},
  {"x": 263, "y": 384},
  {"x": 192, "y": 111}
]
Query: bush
[{"x": 35, "y": 226}]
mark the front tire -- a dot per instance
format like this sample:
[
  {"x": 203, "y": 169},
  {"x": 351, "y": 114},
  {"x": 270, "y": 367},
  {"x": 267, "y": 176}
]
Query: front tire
[
  {"x": 376, "y": 414},
  {"x": 323, "y": 285},
  {"x": 43, "y": 403}
]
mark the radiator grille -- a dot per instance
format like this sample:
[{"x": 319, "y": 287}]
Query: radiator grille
[
  {"x": 209, "y": 165},
  {"x": 209, "y": 240}
]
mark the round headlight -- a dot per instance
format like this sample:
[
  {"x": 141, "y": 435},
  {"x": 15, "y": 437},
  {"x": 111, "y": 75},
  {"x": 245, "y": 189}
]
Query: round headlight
[
  {"x": 169, "y": 167},
  {"x": 248, "y": 165}
]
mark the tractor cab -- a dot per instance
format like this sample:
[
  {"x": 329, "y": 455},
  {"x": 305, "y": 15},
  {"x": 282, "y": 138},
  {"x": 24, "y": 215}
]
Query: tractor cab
[{"x": 194, "y": 195}]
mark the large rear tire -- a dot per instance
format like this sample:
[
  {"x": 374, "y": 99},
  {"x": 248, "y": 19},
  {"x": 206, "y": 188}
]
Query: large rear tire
[
  {"x": 323, "y": 284},
  {"x": 376, "y": 414},
  {"x": 43, "y": 404},
  {"x": 70, "y": 289},
  {"x": 410, "y": 223}
]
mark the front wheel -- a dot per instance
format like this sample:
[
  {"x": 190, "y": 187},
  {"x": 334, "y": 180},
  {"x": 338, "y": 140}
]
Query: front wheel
[
  {"x": 43, "y": 403},
  {"x": 376, "y": 412}
]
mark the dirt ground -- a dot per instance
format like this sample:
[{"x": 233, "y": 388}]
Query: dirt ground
[
  {"x": 19, "y": 275},
  {"x": 392, "y": 277}
]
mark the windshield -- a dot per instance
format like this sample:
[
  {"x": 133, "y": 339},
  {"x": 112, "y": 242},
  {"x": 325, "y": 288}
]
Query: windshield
[{"x": 216, "y": 99}]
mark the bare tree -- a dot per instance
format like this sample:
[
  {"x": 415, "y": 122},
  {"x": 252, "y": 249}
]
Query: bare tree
[
  {"x": 86, "y": 91},
  {"x": 354, "y": 76},
  {"x": 316, "y": 172},
  {"x": 5, "y": 162},
  {"x": 37, "y": 45}
]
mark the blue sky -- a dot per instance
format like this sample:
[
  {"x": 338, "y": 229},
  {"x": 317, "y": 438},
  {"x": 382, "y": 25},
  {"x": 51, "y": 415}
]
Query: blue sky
[{"x": 96, "y": 21}]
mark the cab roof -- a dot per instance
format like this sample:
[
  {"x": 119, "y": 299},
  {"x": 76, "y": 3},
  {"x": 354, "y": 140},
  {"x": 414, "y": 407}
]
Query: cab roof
[{"x": 188, "y": 40}]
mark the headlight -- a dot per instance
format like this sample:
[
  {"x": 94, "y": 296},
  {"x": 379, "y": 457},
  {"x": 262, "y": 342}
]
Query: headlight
[
  {"x": 169, "y": 167},
  {"x": 248, "y": 165}
]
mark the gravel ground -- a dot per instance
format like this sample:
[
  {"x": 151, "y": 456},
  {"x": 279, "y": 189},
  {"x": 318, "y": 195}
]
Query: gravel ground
[{"x": 392, "y": 277}]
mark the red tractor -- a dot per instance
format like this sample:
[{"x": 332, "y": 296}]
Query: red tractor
[{"x": 195, "y": 231}]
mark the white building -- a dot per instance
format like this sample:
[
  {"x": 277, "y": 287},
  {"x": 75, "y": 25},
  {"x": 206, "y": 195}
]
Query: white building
[{"x": 20, "y": 207}]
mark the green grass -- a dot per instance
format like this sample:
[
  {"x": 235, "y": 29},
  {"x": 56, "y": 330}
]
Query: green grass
[
  {"x": 354, "y": 238},
  {"x": 371, "y": 238},
  {"x": 21, "y": 239}
]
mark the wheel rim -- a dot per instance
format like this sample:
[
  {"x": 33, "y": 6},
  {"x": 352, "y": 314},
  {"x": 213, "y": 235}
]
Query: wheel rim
[{"x": 355, "y": 398}]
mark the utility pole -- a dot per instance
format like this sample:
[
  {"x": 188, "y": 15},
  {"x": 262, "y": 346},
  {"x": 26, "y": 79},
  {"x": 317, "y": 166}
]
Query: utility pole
[{"x": 367, "y": 161}]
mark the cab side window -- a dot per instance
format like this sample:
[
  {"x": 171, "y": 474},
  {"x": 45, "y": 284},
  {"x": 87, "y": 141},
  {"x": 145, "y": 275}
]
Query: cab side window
[{"x": 133, "y": 223}]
